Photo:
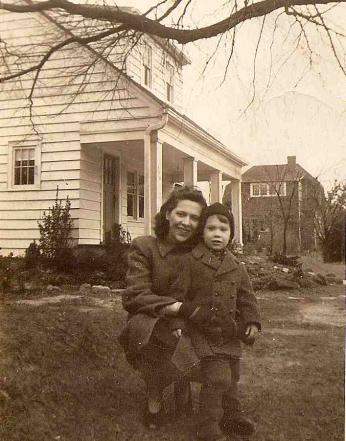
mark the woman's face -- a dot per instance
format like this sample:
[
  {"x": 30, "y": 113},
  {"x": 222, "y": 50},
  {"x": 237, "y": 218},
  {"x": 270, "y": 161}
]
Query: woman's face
[{"x": 183, "y": 220}]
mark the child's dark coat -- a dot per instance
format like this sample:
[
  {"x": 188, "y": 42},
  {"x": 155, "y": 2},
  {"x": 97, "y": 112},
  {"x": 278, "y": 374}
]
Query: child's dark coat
[{"x": 227, "y": 288}]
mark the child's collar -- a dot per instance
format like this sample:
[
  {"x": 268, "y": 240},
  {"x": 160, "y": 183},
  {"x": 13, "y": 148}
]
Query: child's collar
[
  {"x": 207, "y": 257},
  {"x": 201, "y": 249}
]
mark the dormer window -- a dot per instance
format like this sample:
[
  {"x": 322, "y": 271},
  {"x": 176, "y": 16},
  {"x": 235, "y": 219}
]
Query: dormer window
[
  {"x": 169, "y": 82},
  {"x": 147, "y": 65}
]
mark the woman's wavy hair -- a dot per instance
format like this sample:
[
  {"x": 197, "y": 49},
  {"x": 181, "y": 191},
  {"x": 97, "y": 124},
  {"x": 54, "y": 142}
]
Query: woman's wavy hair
[{"x": 182, "y": 193}]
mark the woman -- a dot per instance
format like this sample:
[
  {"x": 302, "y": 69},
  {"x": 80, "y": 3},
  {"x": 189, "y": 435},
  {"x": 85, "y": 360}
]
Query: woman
[{"x": 151, "y": 334}]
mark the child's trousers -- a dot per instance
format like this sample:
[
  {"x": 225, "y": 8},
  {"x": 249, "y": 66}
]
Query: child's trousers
[{"x": 220, "y": 377}]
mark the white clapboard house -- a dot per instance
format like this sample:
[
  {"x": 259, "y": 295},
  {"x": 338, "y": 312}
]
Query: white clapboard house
[{"x": 114, "y": 144}]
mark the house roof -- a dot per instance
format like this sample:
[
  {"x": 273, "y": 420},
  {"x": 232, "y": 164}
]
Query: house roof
[
  {"x": 275, "y": 173},
  {"x": 169, "y": 46},
  {"x": 211, "y": 140}
]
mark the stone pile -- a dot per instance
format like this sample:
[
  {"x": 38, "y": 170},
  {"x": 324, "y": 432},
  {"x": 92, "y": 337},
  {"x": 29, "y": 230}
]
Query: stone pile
[{"x": 266, "y": 274}]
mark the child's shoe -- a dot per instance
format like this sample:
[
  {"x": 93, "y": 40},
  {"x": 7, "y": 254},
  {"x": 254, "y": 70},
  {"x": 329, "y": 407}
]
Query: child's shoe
[
  {"x": 212, "y": 433},
  {"x": 153, "y": 421},
  {"x": 234, "y": 420}
]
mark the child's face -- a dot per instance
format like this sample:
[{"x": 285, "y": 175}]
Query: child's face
[{"x": 216, "y": 234}]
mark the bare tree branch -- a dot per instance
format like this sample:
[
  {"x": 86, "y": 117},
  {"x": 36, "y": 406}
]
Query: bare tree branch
[
  {"x": 84, "y": 41},
  {"x": 330, "y": 40},
  {"x": 254, "y": 66},
  {"x": 141, "y": 23}
]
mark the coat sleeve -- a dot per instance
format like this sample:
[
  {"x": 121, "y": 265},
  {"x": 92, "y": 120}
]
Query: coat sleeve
[
  {"x": 138, "y": 296},
  {"x": 247, "y": 304}
]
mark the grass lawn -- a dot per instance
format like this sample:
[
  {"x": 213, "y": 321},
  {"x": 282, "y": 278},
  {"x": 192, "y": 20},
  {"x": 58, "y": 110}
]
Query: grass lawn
[{"x": 63, "y": 375}]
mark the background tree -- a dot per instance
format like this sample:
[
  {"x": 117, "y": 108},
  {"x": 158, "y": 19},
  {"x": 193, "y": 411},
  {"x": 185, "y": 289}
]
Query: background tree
[
  {"x": 330, "y": 222},
  {"x": 285, "y": 184}
]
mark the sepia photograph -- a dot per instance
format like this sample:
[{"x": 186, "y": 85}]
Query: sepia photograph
[{"x": 172, "y": 220}]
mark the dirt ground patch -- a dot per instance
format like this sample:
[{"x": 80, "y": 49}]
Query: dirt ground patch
[
  {"x": 325, "y": 313},
  {"x": 317, "y": 265},
  {"x": 63, "y": 375}
]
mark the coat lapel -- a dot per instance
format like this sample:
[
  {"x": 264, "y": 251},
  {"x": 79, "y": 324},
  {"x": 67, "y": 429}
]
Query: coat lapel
[
  {"x": 164, "y": 247},
  {"x": 228, "y": 264}
]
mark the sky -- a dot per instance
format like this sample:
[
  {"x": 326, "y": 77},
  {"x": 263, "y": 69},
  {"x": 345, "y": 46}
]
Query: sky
[{"x": 294, "y": 104}]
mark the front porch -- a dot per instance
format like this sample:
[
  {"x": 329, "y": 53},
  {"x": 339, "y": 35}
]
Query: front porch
[{"x": 139, "y": 167}]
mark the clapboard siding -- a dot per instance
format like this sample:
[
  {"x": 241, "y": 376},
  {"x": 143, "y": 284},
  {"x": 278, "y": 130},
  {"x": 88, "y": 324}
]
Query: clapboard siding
[
  {"x": 56, "y": 156},
  {"x": 42, "y": 204},
  {"x": 70, "y": 121},
  {"x": 32, "y": 214},
  {"x": 135, "y": 228},
  {"x": 56, "y": 175},
  {"x": 66, "y": 104},
  {"x": 38, "y": 195},
  {"x": 90, "y": 98}
]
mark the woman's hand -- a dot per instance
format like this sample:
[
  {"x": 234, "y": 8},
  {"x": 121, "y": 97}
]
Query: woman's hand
[
  {"x": 251, "y": 331},
  {"x": 171, "y": 310},
  {"x": 177, "y": 333}
]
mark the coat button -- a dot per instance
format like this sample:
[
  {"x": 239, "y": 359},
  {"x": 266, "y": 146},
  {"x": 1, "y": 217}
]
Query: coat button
[{"x": 216, "y": 294}]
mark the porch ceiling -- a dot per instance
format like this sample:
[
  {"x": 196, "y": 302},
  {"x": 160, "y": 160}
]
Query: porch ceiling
[
  {"x": 173, "y": 165},
  {"x": 132, "y": 152}
]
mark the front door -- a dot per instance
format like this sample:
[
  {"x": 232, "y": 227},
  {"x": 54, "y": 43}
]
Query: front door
[{"x": 110, "y": 195}]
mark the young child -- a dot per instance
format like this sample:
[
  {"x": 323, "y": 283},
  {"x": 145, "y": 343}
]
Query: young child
[{"x": 219, "y": 309}]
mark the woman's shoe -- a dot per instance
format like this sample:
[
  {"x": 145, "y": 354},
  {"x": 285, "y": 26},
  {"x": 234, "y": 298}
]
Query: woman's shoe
[
  {"x": 216, "y": 437},
  {"x": 183, "y": 398},
  {"x": 153, "y": 421}
]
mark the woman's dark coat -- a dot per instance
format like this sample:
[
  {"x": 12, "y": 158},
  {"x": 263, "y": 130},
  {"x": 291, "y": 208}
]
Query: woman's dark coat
[{"x": 154, "y": 266}]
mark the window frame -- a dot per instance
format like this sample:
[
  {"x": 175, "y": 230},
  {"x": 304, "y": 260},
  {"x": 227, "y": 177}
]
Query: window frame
[
  {"x": 14, "y": 146},
  {"x": 169, "y": 81},
  {"x": 137, "y": 195},
  {"x": 257, "y": 187},
  {"x": 147, "y": 65}
]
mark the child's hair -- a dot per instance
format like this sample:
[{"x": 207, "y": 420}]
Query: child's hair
[{"x": 222, "y": 218}]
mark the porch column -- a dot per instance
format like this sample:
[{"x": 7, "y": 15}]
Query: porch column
[
  {"x": 216, "y": 187},
  {"x": 152, "y": 180},
  {"x": 236, "y": 209},
  {"x": 190, "y": 172}
]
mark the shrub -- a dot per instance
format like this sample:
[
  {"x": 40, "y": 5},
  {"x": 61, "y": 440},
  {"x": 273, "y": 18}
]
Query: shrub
[
  {"x": 32, "y": 255},
  {"x": 55, "y": 235},
  {"x": 12, "y": 273},
  {"x": 108, "y": 262}
]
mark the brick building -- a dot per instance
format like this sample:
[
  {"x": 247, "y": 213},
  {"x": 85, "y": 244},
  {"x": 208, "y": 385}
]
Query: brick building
[{"x": 279, "y": 197}]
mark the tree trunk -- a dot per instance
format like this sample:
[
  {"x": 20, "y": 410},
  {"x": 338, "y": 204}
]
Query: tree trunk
[{"x": 284, "y": 245}]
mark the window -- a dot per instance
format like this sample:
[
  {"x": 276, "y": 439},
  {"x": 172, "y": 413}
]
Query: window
[
  {"x": 169, "y": 81},
  {"x": 24, "y": 166},
  {"x": 135, "y": 195},
  {"x": 255, "y": 189},
  {"x": 147, "y": 65},
  {"x": 109, "y": 170},
  {"x": 140, "y": 196},
  {"x": 268, "y": 189}
]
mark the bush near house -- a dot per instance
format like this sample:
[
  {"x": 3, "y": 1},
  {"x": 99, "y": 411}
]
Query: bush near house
[
  {"x": 56, "y": 236},
  {"x": 108, "y": 262},
  {"x": 57, "y": 261}
]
